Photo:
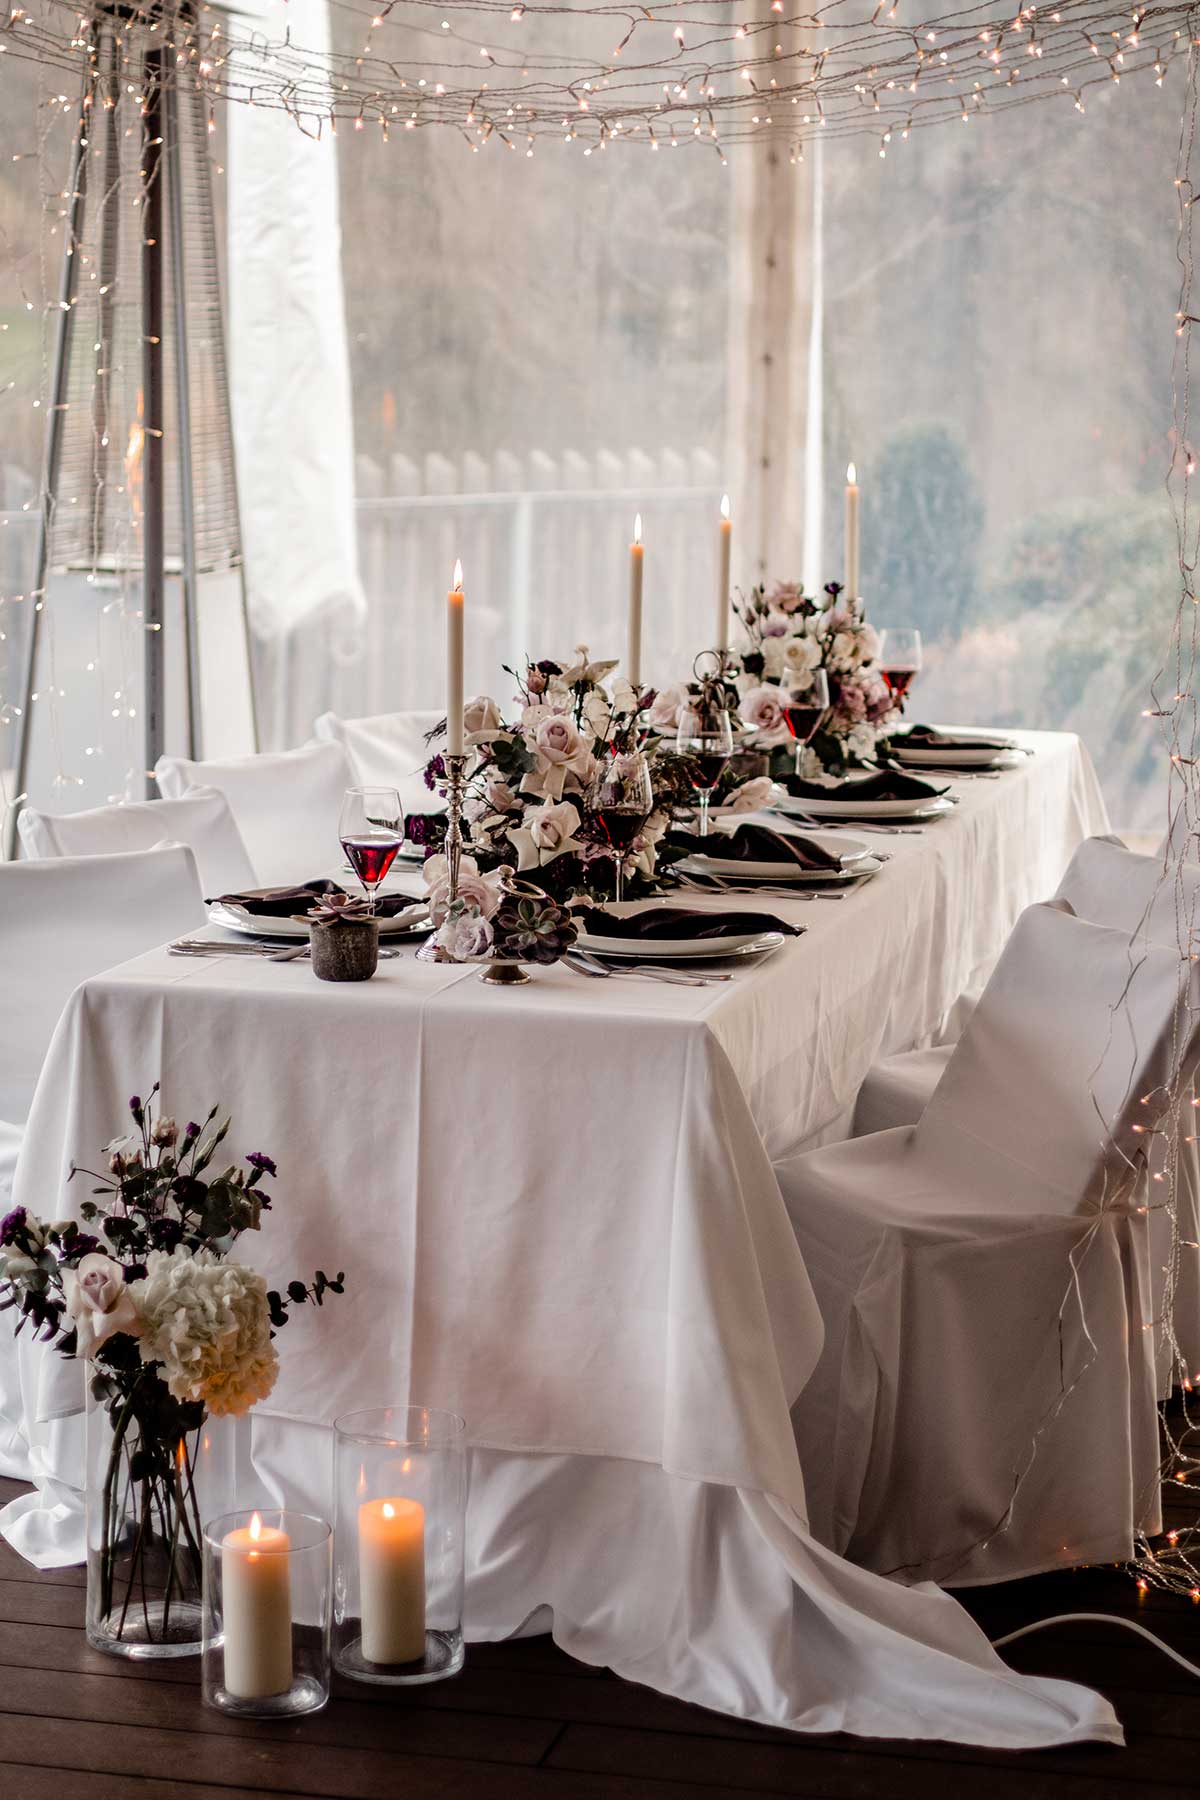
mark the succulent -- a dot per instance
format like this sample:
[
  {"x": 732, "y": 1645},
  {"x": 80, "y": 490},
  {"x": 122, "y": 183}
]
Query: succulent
[
  {"x": 532, "y": 928},
  {"x": 339, "y": 909}
]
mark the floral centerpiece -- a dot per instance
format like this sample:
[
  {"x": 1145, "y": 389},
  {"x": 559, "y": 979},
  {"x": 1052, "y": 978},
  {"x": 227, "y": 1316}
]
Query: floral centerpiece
[
  {"x": 177, "y": 1336},
  {"x": 526, "y": 806},
  {"x": 788, "y": 635}
]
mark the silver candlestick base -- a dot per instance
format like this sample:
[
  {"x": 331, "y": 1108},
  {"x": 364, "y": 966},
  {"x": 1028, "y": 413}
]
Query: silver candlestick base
[{"x": 456, "y": 781}]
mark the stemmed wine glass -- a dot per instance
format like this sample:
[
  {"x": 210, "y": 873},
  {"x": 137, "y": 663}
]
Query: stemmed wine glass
[
  {"x": 899, "y": 660},
  {"x": 620, "y": 800},
  {"x": 806, "y": 710},
  {"x": 371, "y": 828},
  {"x": 705, "y": 737}
]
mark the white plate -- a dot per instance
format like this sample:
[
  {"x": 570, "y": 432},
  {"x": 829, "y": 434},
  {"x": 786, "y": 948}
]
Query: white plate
[
  {"x": 871, "y": 809},
  {"x": 957, "y": 758},
  {"x": 235, "y": 918},
  {"x": 738, "y": 814},
  {"x": 754, "y": 875},
  {"x": 669, "y": 950}
]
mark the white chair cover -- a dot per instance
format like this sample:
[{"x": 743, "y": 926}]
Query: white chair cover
[
  {"x": 983, "y": 1279},
  {"x": 388, "y": 750},
  {"x": 201, "y": 819},
  {"x": 286, "y": 804},
  {"x": 66, "y": 919},
  {"x": 10, "y": 1144}
]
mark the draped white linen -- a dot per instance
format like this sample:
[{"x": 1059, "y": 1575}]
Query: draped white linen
[{"x": 556, "y": 1214}]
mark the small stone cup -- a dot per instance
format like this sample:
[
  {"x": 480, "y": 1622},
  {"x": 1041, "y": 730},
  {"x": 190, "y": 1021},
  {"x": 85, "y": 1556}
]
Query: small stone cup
[{"x": 345, "y": 951}]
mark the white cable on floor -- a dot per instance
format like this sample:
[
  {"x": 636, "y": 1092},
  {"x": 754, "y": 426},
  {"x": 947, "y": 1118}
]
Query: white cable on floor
[{"x": 1099, "y": 1619}]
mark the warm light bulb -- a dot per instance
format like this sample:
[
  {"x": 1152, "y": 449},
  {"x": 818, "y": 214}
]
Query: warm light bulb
[{"x": 457, "y": 582}]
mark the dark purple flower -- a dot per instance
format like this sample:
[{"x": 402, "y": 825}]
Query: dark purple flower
[
  {"x": 11, "y": 1224},
  {"x": 435, "y": 771},
  {"x": 257, "y": 1160},
  {"x": 192, "y": 1132},
  {"x": 135, "y": 1106}
]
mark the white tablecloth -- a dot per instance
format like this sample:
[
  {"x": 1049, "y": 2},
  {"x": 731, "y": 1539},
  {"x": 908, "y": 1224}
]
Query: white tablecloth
[{"x": 557, "y": 1215}]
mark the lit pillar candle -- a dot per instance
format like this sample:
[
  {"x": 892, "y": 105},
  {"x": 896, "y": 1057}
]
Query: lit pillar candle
[
  {"x": 454, "y": 665},
  {"x": 634, "y": 643},
  {"x": 256, "y": 1608},
  {"x": 724, "y": 549},
  {"x": 851, "y": 533},
  {"x": 391, "y": 1580}
]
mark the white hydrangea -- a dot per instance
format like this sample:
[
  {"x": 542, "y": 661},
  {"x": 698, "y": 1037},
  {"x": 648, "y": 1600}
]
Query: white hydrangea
[{"x": 208, "y": 1323}]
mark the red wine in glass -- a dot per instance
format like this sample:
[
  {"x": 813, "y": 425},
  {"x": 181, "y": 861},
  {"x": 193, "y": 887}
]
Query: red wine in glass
[
  {"x": 899, "y": 680},
  {"x": 371, "y": 857},
  {"x": 617, "y": 826},
  {"x": 803, "y": 721},
  {"x": 707, "y": 767}
]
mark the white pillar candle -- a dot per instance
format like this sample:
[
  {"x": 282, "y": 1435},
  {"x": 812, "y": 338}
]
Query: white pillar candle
[
  {"x": 454, "y": 665},
  {"x": 256, "y": 1610},
  {"x": 724, "y": 549},
  {"x": 633, "y": 656},
  {"x": 391, "y": 1580},
  {"x": 851, "y": 533}
]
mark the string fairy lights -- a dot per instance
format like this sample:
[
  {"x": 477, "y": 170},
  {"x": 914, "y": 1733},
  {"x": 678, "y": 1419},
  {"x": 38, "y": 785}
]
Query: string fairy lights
[{"x": 715, "y": 75}]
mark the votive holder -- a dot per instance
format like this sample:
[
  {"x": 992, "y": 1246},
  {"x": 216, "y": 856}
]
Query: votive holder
[
  {"x": 400, "y": 1495},
  {"x": 267, "y": 1610}
]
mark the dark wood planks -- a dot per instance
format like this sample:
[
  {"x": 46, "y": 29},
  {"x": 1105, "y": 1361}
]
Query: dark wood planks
[{"x": 524, "y": 1722}]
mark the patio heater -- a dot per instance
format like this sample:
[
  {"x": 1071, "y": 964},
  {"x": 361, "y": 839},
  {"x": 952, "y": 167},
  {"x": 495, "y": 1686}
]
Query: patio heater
[{"x": 138, "y": 473}]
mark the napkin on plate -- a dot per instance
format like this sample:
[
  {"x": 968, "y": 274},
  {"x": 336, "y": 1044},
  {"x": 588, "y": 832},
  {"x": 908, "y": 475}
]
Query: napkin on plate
[
  {"x": 887, "y": 784},
  {"x": 755, "y": 843},
  {"x": 290, "y": 902},
  {"x": 929, "y": 737},
  {"x": 679, "y": 922}
]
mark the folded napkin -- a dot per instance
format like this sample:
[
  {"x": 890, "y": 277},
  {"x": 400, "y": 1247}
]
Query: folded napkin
[
  {"x": 754, "y": 843},
  {"x": 288, "y": 902},
  {"x": 680, "y": 922},
  {"x": 929, "y": 737},
  {"x": 887, "y": 784}
]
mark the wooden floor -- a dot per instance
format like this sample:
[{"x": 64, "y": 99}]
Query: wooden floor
[{"x": 524, "y": 1722}]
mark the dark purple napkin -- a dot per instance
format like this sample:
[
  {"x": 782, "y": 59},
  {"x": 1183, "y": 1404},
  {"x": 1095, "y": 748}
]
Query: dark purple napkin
[
  {"x": 754, "y": 843},
  {"x": 886, "y": 784},
  {"x": 294, "y": 902},
  {"x": 680, "y": 922},
  {"x": 928, "y": 737}
]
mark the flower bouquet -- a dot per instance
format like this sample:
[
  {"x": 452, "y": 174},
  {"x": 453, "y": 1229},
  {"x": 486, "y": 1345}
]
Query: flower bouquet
[
  {"x": 178, "y": 1337},
  {"x": 527, "y": 795},
  {"x": 788, "y": 635}
]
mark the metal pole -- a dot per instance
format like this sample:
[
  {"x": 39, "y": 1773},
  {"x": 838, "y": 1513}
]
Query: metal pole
[
  {"x": 153, "y": 523},
  {"x": 183, "y": 417},
  {"x": 54, "y": 435}
]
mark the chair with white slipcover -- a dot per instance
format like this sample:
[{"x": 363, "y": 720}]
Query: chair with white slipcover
[
  {"x": 67, "y": 918},
  {"x": 985, "y": 1402},
  {"x": 201, "y": 820},
  {"x": 388, "y": 750},
  {"x": 286, "y": 804}
]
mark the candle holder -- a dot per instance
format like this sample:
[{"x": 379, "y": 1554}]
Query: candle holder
[
  {"x": 400, "y": 1485},
  {"x": 456, "y": 780},
  {"x": 267, "y": 1606}
]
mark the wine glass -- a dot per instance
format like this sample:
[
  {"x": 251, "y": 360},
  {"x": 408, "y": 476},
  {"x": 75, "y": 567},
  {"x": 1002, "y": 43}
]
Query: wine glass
[
  {"x": 620, "y": 800},
  {"x": 899, "y": 660},
  {"x": 806, "y": 709},
  {"x": 705, "y": 737},
  {"x": 371, "y": 828}
]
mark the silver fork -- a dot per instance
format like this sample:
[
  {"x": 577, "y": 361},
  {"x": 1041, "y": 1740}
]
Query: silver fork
[{"x": 585, "y": 964}]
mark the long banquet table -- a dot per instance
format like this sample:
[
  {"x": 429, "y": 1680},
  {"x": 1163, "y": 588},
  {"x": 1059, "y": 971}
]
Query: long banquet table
[{"x": 557, "y": 1215}]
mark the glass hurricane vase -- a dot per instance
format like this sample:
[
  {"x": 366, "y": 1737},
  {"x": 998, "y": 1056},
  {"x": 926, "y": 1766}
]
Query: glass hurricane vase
[{"x": 156, "y": 1467}]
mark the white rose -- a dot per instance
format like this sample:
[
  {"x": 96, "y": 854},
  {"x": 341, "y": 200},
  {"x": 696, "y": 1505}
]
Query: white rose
[
  {"x": 100, "y": 1301},
  {"x": 774, "y": 652},
  {"x": 481, "y": 716},
  {"x": 465, "y": 937},
  {"x": 499, "y": 796},
  {"x": 556, "y": 739},
  {"x": 480, "y": 891},
  {"x": 801, "y": 654},
  {"x": 597, "y": 713},
  {"x": 668, "y": 704},
  {"x": 625, "y": 697},
  {"x": 751, "y": 795},
  {"x": 548, "y": 831},
  {"x": 762, "y": 708},
  {"x": 843, "y": 652}
]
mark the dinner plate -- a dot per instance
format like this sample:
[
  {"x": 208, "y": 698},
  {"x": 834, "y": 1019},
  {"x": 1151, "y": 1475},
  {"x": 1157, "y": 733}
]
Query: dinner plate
[
  {"x": 752, "y": 874},
  {"x": 870, "y": 809},
  {"x": 679, "y": 950},
  {"x": 834, "y": 843},
  {"x": 954, "y": 759},
  {"x": 236, "y": 918}
]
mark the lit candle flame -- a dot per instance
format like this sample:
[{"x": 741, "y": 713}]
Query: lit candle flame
[
  {"x": 256, "y": 1528},
  {"x": 724, "y": 506},
  {"x": 851, "y": 477},
  {"x": 389, "y": 1511},
  {"x": 637, "y": 528},
  {"x": 457, "y": 582}
]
